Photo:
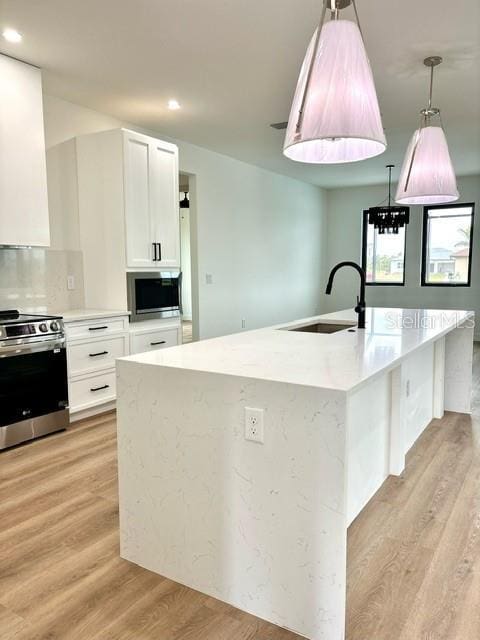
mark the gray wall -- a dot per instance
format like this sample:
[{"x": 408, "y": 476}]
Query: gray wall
[{"x": 345, "y": 207}]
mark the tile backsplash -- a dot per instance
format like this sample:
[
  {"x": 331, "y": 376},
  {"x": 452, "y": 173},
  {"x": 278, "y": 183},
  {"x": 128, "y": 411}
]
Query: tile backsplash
[{"x": 35, "y": 280}]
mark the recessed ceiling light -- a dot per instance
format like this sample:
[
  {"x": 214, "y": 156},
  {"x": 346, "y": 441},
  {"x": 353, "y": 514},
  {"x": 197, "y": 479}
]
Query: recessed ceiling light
[
  {"x": 12, "y": 35},
  {"x": 173, "y": 105}
]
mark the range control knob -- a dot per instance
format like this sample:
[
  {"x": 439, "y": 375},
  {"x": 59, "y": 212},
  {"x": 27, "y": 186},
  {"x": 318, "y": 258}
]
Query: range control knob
[
  {"x": 43, "y": 327},
  {"x": 54, "y": 326}
]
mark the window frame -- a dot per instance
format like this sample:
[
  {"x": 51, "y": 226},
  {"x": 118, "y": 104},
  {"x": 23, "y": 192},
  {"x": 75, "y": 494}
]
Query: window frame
[
  {"x": 451, "y": 205},
  {"x": 364, "y": 256}
]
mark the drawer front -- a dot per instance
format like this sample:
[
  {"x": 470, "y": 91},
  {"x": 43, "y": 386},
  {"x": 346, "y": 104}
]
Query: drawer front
[
  {"x": 92, "y": 391},
  {"x": 95, "y": 328},
  {"x": 158, "y": 339},
  {"x": 88, "y": 357}
]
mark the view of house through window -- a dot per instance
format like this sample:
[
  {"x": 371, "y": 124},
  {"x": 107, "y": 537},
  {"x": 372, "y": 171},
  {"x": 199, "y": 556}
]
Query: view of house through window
[
  {"x": 383, "y": 255},
  {"x": 447, "y": 245}
]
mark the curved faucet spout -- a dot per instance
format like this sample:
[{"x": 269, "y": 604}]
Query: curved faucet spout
[{"x": 361, "y": 305}]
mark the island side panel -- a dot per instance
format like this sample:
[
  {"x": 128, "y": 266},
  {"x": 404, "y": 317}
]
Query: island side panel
[
  {"x": 368, "y": 442},
  {"x": 458, "y": 368},
  {"x": 384, "y": 419},
  {"x": 260, "y": 526}
]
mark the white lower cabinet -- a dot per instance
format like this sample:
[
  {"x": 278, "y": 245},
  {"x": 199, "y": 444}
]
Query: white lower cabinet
[
  {"x": 92, "y": 348},
  {"x": 150, "y": 338},
  {"x": 92, "y": 390},
  {"x": 89, "y": 356}
]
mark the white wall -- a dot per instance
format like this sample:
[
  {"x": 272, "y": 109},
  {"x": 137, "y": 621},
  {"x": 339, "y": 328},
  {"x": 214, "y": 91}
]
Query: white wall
[
  {"x": 186, "y": 264},
  {"x": 345, "y": 208},
  {"x": 260, "y": 235}
]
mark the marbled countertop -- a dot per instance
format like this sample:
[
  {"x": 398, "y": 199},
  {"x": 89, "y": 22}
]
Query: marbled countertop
[
  {"x": 73, "y": 315},
  {"x": 341, "y": 361}
]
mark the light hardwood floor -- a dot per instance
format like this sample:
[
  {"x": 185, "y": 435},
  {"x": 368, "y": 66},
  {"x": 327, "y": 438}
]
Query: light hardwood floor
[
  {"x": 187, "y": 331},
  {"x": 413, "y": 556}
]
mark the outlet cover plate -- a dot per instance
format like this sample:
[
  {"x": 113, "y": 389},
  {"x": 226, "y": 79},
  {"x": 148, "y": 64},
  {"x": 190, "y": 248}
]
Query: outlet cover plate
[{"x": 254, "y": 424}]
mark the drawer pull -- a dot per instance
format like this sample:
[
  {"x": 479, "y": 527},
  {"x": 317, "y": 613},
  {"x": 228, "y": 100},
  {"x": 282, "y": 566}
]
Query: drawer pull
[
  {"x": 97, "y": 328},
  {"x": 100, "y": 353},
  {"x": 105, "y": 386},
  {"x": 154, "y": 344}
]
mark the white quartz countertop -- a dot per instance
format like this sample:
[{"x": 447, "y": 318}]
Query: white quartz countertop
[
  {"x": 340, "y": 361},
  {"x": 73, "y": 315}
]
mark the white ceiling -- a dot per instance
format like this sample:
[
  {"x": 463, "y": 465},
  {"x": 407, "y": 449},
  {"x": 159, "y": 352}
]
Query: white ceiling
[{"x": 233, "y": 65}]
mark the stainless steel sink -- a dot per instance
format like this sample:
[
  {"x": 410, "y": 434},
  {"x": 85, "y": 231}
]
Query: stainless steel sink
[{"x": 323, "y": 327}]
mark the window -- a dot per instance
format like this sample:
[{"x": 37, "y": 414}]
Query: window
[
  {"x": 447, "y": 245},
  {"x": 383, "y": 255}
]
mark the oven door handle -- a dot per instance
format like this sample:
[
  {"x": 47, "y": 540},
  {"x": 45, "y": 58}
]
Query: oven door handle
[{"x": 31, "y": 347}]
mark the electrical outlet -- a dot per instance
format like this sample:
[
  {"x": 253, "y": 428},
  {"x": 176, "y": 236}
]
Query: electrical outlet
[
  {"x": 71, "y": 283},
  {"x": 208, "y": 278},
  {"x": 244, "y": 323},
  {"x": 254, "y": 428}
]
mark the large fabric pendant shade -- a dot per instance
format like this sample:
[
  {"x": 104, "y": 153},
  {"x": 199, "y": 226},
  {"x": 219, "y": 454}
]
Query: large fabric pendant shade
[
  {"x": 432, "y": 178},
  {"x": 341, "y": 119}
]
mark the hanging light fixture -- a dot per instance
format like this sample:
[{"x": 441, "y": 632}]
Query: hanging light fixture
[
  {"x": 185, "y": 202},
  {"x": 335, "y": 115},
  {"x": 388, "y": 219},
  {"x": 427, "y": 175}
]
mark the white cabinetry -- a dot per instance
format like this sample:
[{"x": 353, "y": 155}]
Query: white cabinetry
[
  {"x": 92, "y": 347},
  {"x": 152, "y": 336},
  {"x": 128, "y": 211},
  {"x": 23, "y": 178},
  {"x": 151, "y": 202}
]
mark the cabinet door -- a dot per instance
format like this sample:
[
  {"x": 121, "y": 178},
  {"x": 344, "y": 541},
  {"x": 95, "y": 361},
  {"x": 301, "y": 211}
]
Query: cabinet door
[
  {"x": 164, "y": 202},
  {"x": 23, "y": 177},
  {"x": 143, "y": 341},
  {"x": 139, "y": 223}
]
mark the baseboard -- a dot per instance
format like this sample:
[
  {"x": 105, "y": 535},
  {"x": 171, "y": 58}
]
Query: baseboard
[{"x": 93, "y": 411}]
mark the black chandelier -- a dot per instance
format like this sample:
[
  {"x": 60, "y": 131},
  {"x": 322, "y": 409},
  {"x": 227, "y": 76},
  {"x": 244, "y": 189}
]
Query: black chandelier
[{"x": 388, "y": 219}]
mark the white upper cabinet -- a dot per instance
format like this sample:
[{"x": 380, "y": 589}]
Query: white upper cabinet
[
  {"x": 151, "y": 202},
  {"x": 23, "y": 177}
]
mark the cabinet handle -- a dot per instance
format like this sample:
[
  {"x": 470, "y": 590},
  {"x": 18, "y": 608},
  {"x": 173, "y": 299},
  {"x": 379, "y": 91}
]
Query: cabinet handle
[
  {"x": 100, "y": 353},
  {"x": 159, "y": 251},
  {"x": 154, "y": 245},
  {"x": 97, "y": 328},
  {"x": 153, "y": 344},
  {"x": 105, "y": 386}
]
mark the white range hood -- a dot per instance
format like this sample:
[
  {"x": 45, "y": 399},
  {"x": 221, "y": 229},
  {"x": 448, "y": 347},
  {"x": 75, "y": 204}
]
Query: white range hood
[{"x": 23, "y": 176}]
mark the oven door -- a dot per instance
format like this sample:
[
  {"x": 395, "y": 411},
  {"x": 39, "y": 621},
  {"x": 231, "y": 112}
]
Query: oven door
[
  {"x": 33, "y": 380},
  {"x": 154, "y": 295}
]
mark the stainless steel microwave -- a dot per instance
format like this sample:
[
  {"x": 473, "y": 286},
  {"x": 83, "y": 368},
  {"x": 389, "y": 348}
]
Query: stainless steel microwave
[{"x": 154, "y": 295}]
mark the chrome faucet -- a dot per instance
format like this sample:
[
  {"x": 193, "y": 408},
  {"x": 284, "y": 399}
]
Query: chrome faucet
[{"x": 361, "y": 305}]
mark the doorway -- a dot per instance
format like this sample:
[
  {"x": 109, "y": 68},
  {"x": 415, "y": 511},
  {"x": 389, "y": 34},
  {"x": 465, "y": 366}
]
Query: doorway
[{"x": 186, "y": 257}]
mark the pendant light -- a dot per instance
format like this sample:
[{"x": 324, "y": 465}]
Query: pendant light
[
  {"x": 335, "y": 116},
  {"x": 427, "y": 175},
  {"x": 185, "y": 202},
  {"x": 388, "y": 219}
]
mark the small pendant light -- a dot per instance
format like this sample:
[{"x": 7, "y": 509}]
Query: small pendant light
[
  {"x": 185, "y": 202},
  {"x": 335, "y": 115},
  {"x": 427, "y": 175},
  {"x": 388, "y": 219}
]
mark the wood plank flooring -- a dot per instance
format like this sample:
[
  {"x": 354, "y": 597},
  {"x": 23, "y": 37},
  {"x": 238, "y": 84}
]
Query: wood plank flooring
[{"x": 413, "y": 554}]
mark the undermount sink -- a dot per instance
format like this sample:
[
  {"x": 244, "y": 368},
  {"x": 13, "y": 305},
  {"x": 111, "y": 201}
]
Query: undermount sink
[{"x": 323, "y": 327}]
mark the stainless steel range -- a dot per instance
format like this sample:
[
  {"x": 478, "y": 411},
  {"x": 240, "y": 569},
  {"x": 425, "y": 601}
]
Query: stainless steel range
[{"x": 33, "y": 377}]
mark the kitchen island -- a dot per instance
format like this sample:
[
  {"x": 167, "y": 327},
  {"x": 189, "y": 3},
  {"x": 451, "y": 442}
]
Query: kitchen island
[{"x": 263, "y": 526}]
